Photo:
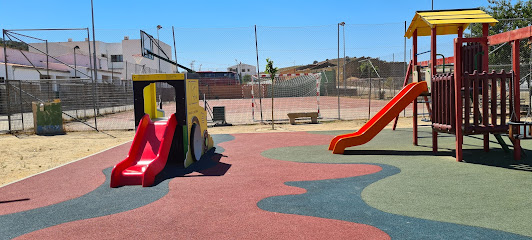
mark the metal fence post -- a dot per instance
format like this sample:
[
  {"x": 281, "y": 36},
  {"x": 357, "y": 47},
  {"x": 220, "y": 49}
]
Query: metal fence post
[
  {"x": 7, "y": 82},
  {"x": 21, "y": 106}
]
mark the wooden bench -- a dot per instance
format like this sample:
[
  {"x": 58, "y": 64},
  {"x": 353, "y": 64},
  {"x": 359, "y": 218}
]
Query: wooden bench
[{"x": 312, "y": 115}]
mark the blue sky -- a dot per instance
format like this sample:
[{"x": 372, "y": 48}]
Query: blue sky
[{"x": 216, "y": 34}]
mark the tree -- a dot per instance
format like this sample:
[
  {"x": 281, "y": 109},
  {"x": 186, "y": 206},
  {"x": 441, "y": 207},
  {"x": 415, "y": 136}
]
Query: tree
[
  {"x": 365, "y": 67},
  {"x": 315, "y": 62},
  {"x": 272, "y": 71},
  {"x": 14, "y": 45},
  {"x": 246, "y": 78},
  {"x": 510, "y": 17}
]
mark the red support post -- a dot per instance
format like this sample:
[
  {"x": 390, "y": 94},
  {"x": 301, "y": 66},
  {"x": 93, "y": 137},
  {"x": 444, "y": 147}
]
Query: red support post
[
  {"x": 484, "y": 43},
  {"x": 467, "y": 100},
  {"x": 433, "y": 51},
  {"x": 458, "y": 97},
  {"x": 493, "y": 99},
  {"x": 485, "y": 66},
  {"x": 476, "y": 99},
  {"x": 517, "y": 96},
  {"x": 414, "y": 107},
  {"x": 503, "y": 100},
  {"x": 485, "y": 108},
  {"x": 433, "y": 71}
]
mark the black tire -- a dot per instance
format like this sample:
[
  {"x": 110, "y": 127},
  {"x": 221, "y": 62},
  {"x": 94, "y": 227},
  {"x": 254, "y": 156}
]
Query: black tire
[{"x": 197, "y": 141}]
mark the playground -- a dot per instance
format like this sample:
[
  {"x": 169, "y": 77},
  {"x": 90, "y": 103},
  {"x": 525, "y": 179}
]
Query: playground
[
  {"x": 464, "y": 175},
  {"x": 286, "y": 185},
  {"x": 32, "y": 154}
]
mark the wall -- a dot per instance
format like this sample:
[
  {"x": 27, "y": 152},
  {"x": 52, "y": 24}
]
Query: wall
[
  {"x": 20, "y": 72},
  {"x": 222, "y": 92}
]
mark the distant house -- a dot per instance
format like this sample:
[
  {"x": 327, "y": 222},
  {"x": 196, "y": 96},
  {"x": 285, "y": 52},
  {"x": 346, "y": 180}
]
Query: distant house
[{"x": 243, "y": 69}]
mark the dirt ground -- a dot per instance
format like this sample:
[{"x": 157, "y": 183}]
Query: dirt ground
[{"x": 22, "y": 156}]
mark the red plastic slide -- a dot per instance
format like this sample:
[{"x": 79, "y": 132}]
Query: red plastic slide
[
  {"x": 380, "y": 120},
  {"x": 147, "y": 155}
]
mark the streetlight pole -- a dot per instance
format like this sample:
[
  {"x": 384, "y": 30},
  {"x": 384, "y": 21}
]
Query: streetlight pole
[
  {"x": 159, "y": 46},
  {"x": 75, "y": 64}
]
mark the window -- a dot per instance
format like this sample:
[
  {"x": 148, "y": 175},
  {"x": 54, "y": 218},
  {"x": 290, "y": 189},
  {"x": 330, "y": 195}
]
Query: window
[
  {"x": 117, "y": 58},
  {"x": 45, "y": 77},
  {"x": 243, "y": 70}
]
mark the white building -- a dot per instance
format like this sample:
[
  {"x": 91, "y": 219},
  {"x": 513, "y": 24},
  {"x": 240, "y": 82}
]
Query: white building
[
  {"x": 243, "y": 69},
  {"x": 24, "y": 65},
  {"x": 123, "y": 57}
]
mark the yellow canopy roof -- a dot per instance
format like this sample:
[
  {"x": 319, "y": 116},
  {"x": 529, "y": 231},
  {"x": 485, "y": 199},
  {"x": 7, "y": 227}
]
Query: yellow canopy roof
[{"x": 447, "y": 21}]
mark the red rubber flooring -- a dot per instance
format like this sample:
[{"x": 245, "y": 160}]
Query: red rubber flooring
[
  {"x": 198, "y": 206},
  {"x": 61, "y": 184}
]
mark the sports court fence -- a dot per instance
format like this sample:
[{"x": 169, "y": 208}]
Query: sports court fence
[
  {"x": 109, "y": 106},
  {"x": 352, "y": 85}
]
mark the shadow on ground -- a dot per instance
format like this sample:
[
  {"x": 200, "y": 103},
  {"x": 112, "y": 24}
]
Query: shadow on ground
[
  {"x": 394, "y": 153},
  {"x": 497, "y": 159},
  {"x": 208, "y": 165}
]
